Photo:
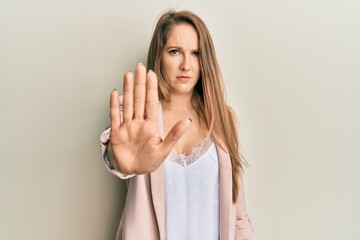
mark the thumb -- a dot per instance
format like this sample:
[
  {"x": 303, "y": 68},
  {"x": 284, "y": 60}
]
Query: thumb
[{"x": 174, "y": 135}]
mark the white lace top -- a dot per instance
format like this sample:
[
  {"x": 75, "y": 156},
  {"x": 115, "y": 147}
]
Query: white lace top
[{"x": 192, "y": 194}]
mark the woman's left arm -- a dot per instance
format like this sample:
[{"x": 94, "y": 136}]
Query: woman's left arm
[{"x": 244, "y": 228}]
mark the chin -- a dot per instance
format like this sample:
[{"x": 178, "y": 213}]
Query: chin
[
  {"x": 182, "y": 91},
  {"x": 183, "y": 88}
]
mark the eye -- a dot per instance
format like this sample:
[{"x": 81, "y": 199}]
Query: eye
[
  {"x": 196, "y": 53},
  {"x": 174, "y": 51}
]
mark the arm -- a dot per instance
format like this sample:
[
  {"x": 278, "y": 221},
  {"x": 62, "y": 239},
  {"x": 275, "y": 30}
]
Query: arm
[{"x": 244, "y": 228}]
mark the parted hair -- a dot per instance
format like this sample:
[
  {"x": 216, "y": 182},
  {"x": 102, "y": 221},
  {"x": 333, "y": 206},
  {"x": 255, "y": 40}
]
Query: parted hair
[{"x": 209, "y": 94}]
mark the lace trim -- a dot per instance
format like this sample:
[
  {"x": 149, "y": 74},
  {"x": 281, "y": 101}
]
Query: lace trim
[{"x": 195, "y": 154}]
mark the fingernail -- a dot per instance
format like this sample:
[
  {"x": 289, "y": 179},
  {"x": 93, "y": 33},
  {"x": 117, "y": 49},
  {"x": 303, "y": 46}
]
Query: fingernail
[
  {"x": 140, "y": 64},
  {"x": 150, "y": 70},
  {"x": 128, "y": 70},
  {"x": 190, "y": 119}
]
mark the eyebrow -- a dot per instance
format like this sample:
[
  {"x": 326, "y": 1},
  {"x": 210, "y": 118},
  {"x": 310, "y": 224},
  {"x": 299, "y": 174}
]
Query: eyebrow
[{"x": 178, "y": 47}]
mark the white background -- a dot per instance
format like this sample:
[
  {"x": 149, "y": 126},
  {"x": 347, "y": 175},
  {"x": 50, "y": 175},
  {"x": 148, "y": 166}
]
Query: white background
[{"x": 291, "y": 69}]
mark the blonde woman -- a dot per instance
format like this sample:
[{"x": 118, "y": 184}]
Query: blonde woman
[{"x": 174, "y": 138}]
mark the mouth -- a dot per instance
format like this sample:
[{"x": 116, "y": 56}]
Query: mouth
[{"x": 183, "y": 78}]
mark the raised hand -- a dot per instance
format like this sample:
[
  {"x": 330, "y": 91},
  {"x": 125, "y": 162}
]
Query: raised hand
[{"x": 134, "y": 139}]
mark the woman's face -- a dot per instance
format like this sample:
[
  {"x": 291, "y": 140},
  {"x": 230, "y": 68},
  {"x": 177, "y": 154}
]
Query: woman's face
[{"x": 180, "y": 64}]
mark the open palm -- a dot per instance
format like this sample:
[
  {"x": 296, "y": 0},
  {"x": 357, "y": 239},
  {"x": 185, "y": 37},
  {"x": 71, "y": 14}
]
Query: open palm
[{"x": 134, "y": 139}]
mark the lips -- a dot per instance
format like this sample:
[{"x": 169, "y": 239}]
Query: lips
[{"x": 183, "y": 78}]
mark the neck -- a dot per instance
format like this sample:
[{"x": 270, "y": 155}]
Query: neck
[{"x": 178, "y": 103}]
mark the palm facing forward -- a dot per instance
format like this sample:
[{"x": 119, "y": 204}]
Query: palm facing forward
[{"x": 134, "y": 139}]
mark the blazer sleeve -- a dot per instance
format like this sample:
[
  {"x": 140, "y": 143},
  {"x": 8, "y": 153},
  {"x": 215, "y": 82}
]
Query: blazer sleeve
[{"x": 244, "y": 228}]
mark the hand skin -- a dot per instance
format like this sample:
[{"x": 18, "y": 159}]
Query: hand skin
[{"x": 135, "y": 144}]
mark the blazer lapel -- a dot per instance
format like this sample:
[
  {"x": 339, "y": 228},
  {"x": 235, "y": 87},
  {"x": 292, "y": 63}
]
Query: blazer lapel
[
  {"x": 158, "y": 198},
  {"x": 225, "y": 193},
  {"x": 157, "y": 184}
]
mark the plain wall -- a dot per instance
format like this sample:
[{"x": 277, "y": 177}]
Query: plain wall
[{"x": 291, "y": 69}]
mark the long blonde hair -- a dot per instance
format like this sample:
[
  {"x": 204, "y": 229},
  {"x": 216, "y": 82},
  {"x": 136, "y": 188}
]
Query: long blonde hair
[{"x": 209, "y": 94}]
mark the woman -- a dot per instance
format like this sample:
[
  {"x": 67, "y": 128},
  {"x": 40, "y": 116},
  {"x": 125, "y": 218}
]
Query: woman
[{"x": 174, "y": 138}]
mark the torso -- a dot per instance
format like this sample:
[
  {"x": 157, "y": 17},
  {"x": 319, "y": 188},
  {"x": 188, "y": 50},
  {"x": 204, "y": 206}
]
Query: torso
[
  {"x": 192, "y": 194},
  {"x": 193, "y": 134}
]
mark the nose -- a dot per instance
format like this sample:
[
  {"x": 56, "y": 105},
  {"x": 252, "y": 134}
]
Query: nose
[{"x": 185, "y": 64}]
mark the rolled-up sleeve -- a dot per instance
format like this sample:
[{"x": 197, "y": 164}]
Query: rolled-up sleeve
[{"x": 244, "y": 227}]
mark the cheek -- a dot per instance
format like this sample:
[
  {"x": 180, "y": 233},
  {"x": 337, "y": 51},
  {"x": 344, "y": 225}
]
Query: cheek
[
  {"x": 163, "y": 66},
  {"x": 166, "y": 69},
  {"x": 197, "y": 67},
  {"x": 168, "y": 66}
]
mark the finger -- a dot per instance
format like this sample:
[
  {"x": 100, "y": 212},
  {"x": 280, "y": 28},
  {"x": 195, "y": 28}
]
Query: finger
[
  {"x": 128, "y": 101},
  {"x": 121, "y": 101},
  {"x": 174, "y": 135},
  {"x": 152, "y": 99},
  {"x": 114, "y": 110},
  {"x": 140, "y": 91}
]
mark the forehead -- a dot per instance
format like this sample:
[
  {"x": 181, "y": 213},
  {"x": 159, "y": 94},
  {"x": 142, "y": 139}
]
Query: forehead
[{"x": 183, "y": 35}]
